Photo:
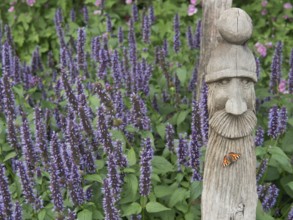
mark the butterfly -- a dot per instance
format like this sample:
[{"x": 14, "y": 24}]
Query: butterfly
[{"x": 230, "y": 158}]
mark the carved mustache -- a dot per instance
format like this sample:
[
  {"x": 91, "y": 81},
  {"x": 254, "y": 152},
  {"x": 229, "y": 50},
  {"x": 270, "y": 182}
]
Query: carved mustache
[{"x": 231, "y": 126}]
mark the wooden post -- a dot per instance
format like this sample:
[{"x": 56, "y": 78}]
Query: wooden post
[
  {"x": 229, "y": 183},
  {"x": 209, "y": 35}
]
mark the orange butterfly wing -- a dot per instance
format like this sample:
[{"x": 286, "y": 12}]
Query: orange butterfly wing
[
  {"x": 226, "y": 161},
  {"x": 234, "y": 156}
]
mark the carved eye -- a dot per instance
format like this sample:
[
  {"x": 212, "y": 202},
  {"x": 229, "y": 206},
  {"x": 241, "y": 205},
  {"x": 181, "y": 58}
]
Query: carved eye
[
  {"x": 246, "y": 81},
  {"x": 223, "y": 81}
]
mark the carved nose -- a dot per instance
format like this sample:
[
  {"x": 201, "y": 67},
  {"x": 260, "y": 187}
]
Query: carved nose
[{"x": 236, "y": 106}]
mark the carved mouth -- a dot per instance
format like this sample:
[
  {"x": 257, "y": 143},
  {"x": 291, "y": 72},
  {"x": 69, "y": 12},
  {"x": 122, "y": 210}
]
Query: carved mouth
[{"x": 231, "y": 126}]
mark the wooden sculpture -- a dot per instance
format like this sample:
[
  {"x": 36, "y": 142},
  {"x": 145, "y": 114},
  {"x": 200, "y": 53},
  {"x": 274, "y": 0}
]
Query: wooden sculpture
[{"x": 229, "y": 184}]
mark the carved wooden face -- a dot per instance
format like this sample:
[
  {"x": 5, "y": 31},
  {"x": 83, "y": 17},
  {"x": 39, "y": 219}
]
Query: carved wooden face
[{"x": 231, "y": 105}]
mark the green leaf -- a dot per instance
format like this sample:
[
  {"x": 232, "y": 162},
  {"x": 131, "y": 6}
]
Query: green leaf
[
  {"x": 162, "y": 191},
  {"x": 195, "y": 190},
  {"x": 42, "y": 214},
  {"x": 9, "y": 156},
  {"x": 161, "y": 129},
  {"x": 85, "y": 215},
  {"x": 181, "y": 117},
  {"x": 94, "y": 177},
  {"x": 153, "y": 207},
  {"x": 290, "y": 185},
  {"x": 131, "y": 157},
  {"x": 260, "y": 214},
  {"x": 182, "y": 75},
  {"x": 161, "y": 165},
  {"x": 179, "y": 195},
  {"x": 130, "y": 189},
  {"x": 279, "y": 156},
  {"x": 132, "y": 209}
]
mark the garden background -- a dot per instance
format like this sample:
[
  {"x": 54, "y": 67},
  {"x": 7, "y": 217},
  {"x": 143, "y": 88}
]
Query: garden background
[{"x": 99, "y": 118}]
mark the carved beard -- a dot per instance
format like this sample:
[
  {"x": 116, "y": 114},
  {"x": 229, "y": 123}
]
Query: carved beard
[
  {"x": 228, "y": 125},
  {"x": 231, "y": 126}
]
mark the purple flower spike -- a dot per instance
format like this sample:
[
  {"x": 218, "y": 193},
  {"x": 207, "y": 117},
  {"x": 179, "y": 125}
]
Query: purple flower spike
[
  {"x": 111, "y": 212},
  {"x": 261, "y": 170},
  {"x": 85, "y": 14},
  {"x": 135, "y": 14},
  {"x": 55, "y": 188},
  {"x": 268, "y": 196},
  {"x": 197, "y": 35},
  {"x": 6, "y": 59},
  {"x": 259, "y": 136},
  {"x": 120, "y": 35},
  {"x": 257, "y": 62},
  {"x": 193, "y": 80},
  {"x": 81, "y": 38},
  {"x": 146, "y": 157},
  {"x": 17, "y": 214},
  {"x": 283, "y": 118},
  {"x": 29, "y": 151},
  {"x": 121, "y": 158},
  {"x": 273, "y": 125},
  {"x": 165, "y": 47},
  {"x": 182, "y": 152},
  {"x": 290, "y": 214},
  {"x": 75, "y": 187},
  {"x": 170, "y": 137},
  {"x": 109, "y": 24},
  {"x": 27, "y": 186},
  {"x": 146, "y": 31},
  {"x": 72, "y": 141},
  {"x": 116, "y": 69},
  {"x": 176, "y": 41},
  {"x": 41, "y": 141},
  {"x": 114, "y": 176},
  {"x": 69, "y": 92},
  {"x": 152, "y": 15},
  {"x": 276, "y": 68},
  {"x": 189, "y": 38},
  {"x": 132, "y": 44},
  {"x": 139, "y": 113},
  {"x": 72, "y": 15},
  {"x": 5, "y": 193},
  {"x": 290, "y": 78},
  {"x": 203, "y": 106}
]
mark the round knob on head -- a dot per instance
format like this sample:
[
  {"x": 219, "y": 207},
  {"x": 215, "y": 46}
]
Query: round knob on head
[{"x": 235, "y": 26}]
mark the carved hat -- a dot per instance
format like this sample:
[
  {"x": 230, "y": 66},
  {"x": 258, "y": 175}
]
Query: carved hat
[{"x": 232, "y": 58}]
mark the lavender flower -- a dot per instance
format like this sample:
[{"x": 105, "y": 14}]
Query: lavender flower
[
  {"x": 71, "y": 215},
  {"x": 116, "y": 69},
  {"x": 41, "y": 142},
  {"x": 146, "y": 31},
  {"x": 9, "y": 37},
  {"x": 176, "y": 41},
  {"x": 81, "y": 38},
  {"x": 75, "y": 187},
  {"x": 135, "y": 15},
  {"x": 120, "y": 35},
  {"x": 132, "y": 44},
  {"x": 72, "y": 141},
  {"x": 290, "y": 214},
  {"x": 103, "y": 132},
  {"x": 29, "y": 151},
  {"x": 58, "y": 22},
  {"x": 114, "y": 176},
  {"x": 56, "y": 155},
  {"x": 257, "y": 62},
  {"x": 276, "y": 68},
  {"x": 6, "y": 58},
  {"x": 146, "y": 156},
  {"x": 36, "y": 62},
  {"x": 104, "y": 97},
  {"x": 290, "y": 78},
  {"x": 170, "y": 133},
  {"x": 152, "y": 15},
  {"x": 139, "y": 118},
  {"x": 69, "y": 92},
  {"x": 121, "y": 159},
  {"x": 5, "y": 193},
  {"x": 262, "y": 168},
  {"x": 283, "y": 118},
  {"x": 268, "y": 196},
  {"x": 17, "y": 214},
  {"x": 259, "y": 136},
  {"x": 85, "y": 14},
  {"x": 165, "y": 47},
  {"x": 89, "y": 162},
  {"x": 72, "y": 15},
  {"x": 193, "y": 80},
  {"x": 197, "y": 35},
  {"x": 8, "y": 101},
  {"x": 55, "y": 188},
  {"x": 273, "y": 125},
  {"x": 203, "y": 106},
  {"x": 182, "y": 152},
  {"x": 27, "y": 186},
  {"x": 111, "y": 212},
  {"x": 189, "y": 38},
  {"x": 109, "y": 24}
]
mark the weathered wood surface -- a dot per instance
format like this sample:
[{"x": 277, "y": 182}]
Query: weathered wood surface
[
  {"x": 209, "y": 35},
  {"x": 229, "y": 192}
]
